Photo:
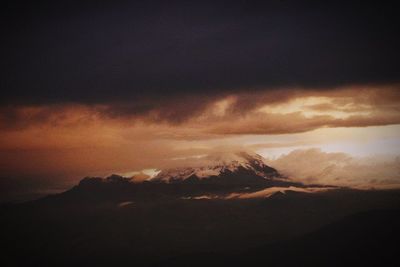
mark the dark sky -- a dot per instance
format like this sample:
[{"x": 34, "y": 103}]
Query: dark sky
[{"x": 93, "y": 52}]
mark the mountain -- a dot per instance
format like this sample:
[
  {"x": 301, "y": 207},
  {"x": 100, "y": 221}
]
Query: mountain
[
  {"x": 233, "y": 168},
  {"x": 225, "y": 210},
  {"x": 220, "y": 176}
]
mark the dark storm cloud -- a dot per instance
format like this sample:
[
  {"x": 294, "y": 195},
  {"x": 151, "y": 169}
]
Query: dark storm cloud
[{"x": 146, "y": 54}]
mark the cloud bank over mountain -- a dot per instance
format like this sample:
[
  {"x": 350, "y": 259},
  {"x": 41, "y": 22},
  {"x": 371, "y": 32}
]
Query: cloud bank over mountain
[{"x": 341, "y": 169}]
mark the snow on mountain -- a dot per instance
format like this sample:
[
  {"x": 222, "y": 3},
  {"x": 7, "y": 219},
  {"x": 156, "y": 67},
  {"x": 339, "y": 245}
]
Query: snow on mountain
[{"x": 219, "y": 164}]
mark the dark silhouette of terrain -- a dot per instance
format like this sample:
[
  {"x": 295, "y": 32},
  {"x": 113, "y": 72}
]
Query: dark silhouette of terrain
[
  {"x": 108, "y": 224},
  {"x": 363, "y": 239},
  {"x": 119, "y": 188}
]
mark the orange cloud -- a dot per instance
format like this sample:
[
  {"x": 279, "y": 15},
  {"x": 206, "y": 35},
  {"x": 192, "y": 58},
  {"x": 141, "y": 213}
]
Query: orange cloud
[{"x": 78, "y": 140}]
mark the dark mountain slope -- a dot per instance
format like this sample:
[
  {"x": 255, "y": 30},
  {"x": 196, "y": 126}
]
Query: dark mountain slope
[
  {"x": 364, "y": 239},
  {"x": 56, "y": 232}
]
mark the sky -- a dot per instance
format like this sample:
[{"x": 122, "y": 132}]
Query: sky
[{"x": 94, "y": 88}]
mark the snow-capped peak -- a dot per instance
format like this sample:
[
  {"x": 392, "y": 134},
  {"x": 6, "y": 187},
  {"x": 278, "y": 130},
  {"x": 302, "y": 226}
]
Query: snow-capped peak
[{"x": 219, "y": 163}]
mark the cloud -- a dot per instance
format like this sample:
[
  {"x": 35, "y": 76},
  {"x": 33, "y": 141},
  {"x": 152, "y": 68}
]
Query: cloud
[
  {"x": 269, "y": 112},
  {"x": 101, "y": 53},
  {"x": 45, "y": 140},
  {"x": 340, "y": 169},
  {"x": 297, "y": 123}
]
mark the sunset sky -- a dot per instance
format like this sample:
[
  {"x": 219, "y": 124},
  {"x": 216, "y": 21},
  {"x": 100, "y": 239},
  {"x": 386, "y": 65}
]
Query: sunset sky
[{"x": 120, "y": 87}]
